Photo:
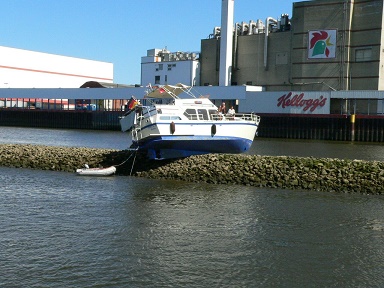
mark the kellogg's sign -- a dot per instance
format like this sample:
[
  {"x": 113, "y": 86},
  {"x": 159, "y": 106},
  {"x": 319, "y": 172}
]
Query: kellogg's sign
[
  {"x": 308, "y": 102},
  {"x": 298, "y": 101}
]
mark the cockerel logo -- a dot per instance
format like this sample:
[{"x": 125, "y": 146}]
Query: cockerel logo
[{"x": 322, "y": 44}]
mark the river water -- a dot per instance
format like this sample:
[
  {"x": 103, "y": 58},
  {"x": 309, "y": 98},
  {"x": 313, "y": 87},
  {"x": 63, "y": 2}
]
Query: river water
[{"x": 62, "y": 230}]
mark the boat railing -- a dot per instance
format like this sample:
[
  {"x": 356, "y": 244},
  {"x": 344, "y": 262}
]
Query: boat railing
[
  {"x": 236, "y": 117},
  {"x": 135, "y": 133},
  {"x": 194, "y": 116}
]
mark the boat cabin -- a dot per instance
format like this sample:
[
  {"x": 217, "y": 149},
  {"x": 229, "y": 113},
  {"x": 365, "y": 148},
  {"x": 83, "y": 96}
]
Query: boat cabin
[{"x": 187, "y": 109}]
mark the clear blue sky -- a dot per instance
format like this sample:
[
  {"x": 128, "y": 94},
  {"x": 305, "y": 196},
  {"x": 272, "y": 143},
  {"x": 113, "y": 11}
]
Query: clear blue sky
[{"x": 120, "y": 31}]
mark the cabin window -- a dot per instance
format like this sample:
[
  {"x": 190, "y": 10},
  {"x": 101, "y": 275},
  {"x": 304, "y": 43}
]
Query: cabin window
[
  {"x": 203, "y": 115},
  {"x": 163, "y": 117},
  {"x": 212, "y": 112},
  {"x": 190, "y": 114}
]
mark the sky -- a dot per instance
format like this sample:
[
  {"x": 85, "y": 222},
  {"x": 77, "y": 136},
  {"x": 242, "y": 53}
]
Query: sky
[{"x": 121, "y": 31}]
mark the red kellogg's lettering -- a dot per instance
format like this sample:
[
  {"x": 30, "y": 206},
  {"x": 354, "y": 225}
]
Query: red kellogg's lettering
[{"x": 298, "y": 101}]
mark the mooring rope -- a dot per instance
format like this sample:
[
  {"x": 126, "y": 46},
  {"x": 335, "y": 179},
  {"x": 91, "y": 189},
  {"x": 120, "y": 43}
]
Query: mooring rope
[
  {"x": 126, "y": 159},
  {"x": 133, "y": 163}
]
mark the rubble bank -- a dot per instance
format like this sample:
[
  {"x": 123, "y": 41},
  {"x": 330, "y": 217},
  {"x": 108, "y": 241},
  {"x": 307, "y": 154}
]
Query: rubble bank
[{"x": 321, "y": 174}]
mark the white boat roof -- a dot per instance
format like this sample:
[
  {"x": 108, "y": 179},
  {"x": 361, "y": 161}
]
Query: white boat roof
[
  {"x": 167, "y": 91},
  {"x": 194, "y": 102}
]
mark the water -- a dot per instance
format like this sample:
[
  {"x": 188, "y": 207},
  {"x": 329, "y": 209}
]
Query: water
[
  {"x": 64, "y": 137},
  {"x": 62, "y": 230},
  {"x": 261, "y": 146}
]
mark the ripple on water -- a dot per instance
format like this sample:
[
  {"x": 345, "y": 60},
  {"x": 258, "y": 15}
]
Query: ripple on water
[{"x": 60, "y": 230}]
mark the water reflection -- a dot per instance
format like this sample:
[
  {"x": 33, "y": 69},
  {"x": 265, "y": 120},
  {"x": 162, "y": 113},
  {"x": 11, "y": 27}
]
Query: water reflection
[
  {"x": 59, "y": 229},
  {"x": 221, "y": 235}
]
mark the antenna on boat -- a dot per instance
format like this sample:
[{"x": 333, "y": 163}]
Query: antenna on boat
[{"x": 168, "y": 91}]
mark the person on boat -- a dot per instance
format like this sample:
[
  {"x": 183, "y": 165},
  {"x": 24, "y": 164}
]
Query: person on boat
[
  {"x": 222, "y": 108},
  {"x": 231, "y": 113}
]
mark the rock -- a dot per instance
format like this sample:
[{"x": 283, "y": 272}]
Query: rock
[{"x": 319, "y": 174}]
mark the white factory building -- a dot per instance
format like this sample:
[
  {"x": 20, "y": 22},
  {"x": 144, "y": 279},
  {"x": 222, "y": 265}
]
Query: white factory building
[
  {"x": 161, "y": 67},
  {"x": 29, "y": 69}
]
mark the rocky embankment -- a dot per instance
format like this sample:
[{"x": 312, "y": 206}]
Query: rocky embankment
[{"x": 322, "y": 174}]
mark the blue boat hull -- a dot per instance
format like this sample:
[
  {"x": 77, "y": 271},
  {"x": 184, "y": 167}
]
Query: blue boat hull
[{"x": 165, "y": 147}]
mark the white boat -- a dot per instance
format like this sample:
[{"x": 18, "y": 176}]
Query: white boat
[
  {"x": 96, "y": 171},
  {"x": 175, "y": 127}
]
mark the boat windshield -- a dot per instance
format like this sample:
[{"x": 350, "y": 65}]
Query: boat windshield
[
  {"x": 212, "y": 113},
  {"x": 199, "y": 114},
  {"x": 203, "y": 113}
]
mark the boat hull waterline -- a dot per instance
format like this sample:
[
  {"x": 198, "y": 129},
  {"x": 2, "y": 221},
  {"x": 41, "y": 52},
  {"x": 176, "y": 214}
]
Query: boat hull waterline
[{"x": 184, "y": 146}]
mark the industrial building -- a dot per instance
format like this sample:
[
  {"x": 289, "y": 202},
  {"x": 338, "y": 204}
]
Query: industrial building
[
  {"x": 325, "y": 45},
  {"x": 305, "y": 74},
  {"x": 161, "y": 66},
  {"x": 30, "y": 69}
]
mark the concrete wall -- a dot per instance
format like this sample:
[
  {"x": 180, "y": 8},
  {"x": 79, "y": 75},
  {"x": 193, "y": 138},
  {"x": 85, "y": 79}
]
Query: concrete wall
[
  {"x": 209, "y": 60},
  {"x": 358, "y": 24},
  {"x": 250, "y": 67},
  {"x": 366, "y": 35}
]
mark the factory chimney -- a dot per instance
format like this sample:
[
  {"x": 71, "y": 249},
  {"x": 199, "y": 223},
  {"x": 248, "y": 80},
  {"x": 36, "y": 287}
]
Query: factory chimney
[{"x": 225, "y": 73}]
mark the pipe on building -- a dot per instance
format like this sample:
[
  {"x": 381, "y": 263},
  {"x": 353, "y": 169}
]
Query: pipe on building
[
  {"x": 252, "y": 27},
  {"x": 235, "y": 54},
  {"x": 268, "y": 22},
  {"x": 226, "y": 42}
]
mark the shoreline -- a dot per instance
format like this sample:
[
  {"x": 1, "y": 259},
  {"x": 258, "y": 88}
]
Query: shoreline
[{"x": 284, "y": 172}]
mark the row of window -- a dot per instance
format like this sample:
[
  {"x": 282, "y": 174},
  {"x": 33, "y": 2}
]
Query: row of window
[{"x": 161, "y": 67}]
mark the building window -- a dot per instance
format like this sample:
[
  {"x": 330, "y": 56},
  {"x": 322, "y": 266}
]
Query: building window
[
  {"x": 362, "y": 55},
  {"x": 249, "y": 83},
  {"x": 170, "y": 66},
  {"x": 160, "y": 66},
  {"x": 157, "y": 79},
  {"x": 166, "y": 79}
]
